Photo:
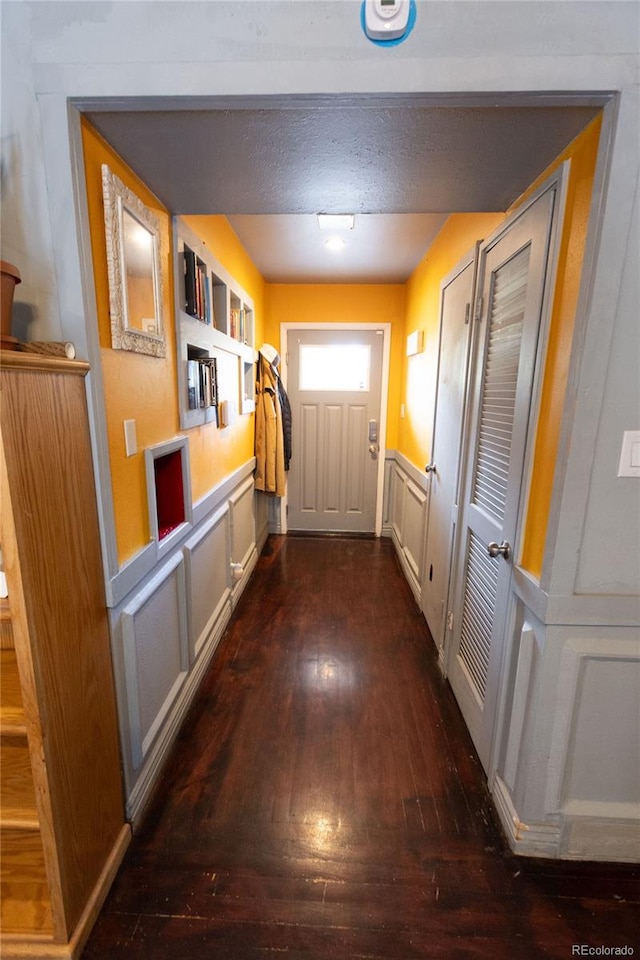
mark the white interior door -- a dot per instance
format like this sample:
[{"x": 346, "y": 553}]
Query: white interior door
[
  {"x": 511, "y": 281},
  {"x": 334, "y": 384},
  {"x": 455, "y": 310}
]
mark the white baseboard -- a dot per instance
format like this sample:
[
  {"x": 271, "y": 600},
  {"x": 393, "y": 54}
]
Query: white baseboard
[
  {"x": 406, "y": 568},
  {"x": 578, "y": 834},
  {"x": 592, "y": 836}
]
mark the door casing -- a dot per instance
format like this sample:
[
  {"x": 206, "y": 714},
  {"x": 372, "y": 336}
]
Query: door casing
[{"x": 455, "y": 326}]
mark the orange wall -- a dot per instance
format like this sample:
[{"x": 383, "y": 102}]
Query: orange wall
[
  {"x": 217, "y": 453},
  {"x": 135, "y": 385},
  {"x": 343, "y": 303},
  {"x": 583, "y": 154},
  {"x": 456, "y": 238},
  {"x": 144, "y": 388}
]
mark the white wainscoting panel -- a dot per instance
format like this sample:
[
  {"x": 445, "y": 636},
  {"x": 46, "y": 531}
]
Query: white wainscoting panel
[
  {"x": 243, "y": 533},
  {"x": 389, "y": 466},
  {"x": 156, "y": 657},
  {"x": 398, "y": 483},
  {"x": 595, "y": 748},
  {"x": 414, "y": 528},
  {"x": 588, "y": 777},
  {"x": 261, "y": 507},
  {"x": 408, "y": 501},
  {"x": 520, "y": 702},
  {"x": 208, "y": 580},
  {"x": 166, "y": 629}
]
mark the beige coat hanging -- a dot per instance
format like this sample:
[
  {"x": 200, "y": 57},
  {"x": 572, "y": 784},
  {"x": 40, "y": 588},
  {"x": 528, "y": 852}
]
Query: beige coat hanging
[{"x": 269, "y": 475}]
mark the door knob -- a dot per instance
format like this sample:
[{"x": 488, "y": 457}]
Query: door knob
[
  {"x": 499, "y": 549},
  {"x": 430, "y": 468},
  {"x": 373, "y": 450}
]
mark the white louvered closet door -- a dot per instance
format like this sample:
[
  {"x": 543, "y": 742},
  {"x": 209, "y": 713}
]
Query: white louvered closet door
[{"x": 511, "y": 283}]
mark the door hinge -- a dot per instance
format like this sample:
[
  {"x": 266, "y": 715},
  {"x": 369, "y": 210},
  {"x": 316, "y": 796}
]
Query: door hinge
[
  {"x": 467, "y": 313},
  {"x": 450, "y": 620},
  {"x": 478, "y": 314},
  {"x": 286, "y": 358}
]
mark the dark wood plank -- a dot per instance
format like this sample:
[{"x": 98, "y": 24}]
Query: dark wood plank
[{"x": 324, "y": 799}]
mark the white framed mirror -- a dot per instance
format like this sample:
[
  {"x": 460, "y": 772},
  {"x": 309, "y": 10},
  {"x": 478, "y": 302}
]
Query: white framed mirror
[{"x": 134, "y": 257}]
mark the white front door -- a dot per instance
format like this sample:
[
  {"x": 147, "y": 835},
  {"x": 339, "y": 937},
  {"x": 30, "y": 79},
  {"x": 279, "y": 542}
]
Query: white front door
[
  {"x": 334, "y": 384},
  {"x": 511, "y": 281},
  {"x": 456, "y": 294}
]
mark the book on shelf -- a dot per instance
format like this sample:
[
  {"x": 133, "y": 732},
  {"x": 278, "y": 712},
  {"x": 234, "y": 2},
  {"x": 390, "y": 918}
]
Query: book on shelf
[
  {"x": 202, "y": 383},
  {"x": 208, "y": 306},
  {"x": 190, "y": 280},
  {"x": 238, "y": 324},
  {"x": 196, "y": 286},
  {"x": 193, "y": 384}
]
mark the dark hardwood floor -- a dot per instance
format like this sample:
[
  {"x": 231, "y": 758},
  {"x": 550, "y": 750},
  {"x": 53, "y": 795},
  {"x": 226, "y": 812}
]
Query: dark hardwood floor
[{"x": 324, "y": 801}]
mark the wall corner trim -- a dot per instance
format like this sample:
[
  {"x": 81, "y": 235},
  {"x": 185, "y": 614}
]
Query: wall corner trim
[{"x": 525, "y": 839}]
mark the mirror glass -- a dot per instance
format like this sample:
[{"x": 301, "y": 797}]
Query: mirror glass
[
  {"x": 138, "y": 257},
  {"x": 134, "y": 242}
]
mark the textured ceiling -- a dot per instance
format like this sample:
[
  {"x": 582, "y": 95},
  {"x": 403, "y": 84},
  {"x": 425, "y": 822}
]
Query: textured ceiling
[
  {"x": 364, "y": 158},
  {"x": 381, "y": 248}
]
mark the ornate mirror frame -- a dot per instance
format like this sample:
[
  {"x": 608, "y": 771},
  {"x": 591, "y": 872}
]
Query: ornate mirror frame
[{"x": 118, "y": 200}]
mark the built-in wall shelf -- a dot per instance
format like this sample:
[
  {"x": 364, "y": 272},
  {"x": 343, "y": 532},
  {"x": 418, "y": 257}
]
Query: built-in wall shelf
[
  {"x": 168, "y": 491},
  {"x": 214, "y": 316}
]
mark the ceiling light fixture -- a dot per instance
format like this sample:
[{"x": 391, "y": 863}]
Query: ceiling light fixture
[
  {"x": 336, "y": 221},
  {"x": 335, "y": 243}
]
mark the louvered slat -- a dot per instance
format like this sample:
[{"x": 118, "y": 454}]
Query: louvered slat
[
  {"x": 477, "y": 613},
  {"x": 497, "y": 408}
]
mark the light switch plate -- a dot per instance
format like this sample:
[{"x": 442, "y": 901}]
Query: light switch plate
[
  {"x": 227, "y": 413},
  {"x": 130, "y": 439},
  {"x": 415, "y": 343},
  {"x": 630, "y": 456}
]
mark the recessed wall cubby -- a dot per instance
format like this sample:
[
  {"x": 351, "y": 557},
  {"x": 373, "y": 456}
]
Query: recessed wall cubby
[
  {"x": 168, "y": 491},
  {"x": 213, "y": 314},
  {"x": 247, "y": 386}
]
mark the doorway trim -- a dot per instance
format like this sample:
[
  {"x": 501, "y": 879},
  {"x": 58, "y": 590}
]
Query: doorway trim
[
  {"x": 64, "y": 103},
  {"x": 384, "y": 396}
]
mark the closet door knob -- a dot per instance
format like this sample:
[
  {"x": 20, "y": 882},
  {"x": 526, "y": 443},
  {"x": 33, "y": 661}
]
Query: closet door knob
[{"x": 499, "y": 549}]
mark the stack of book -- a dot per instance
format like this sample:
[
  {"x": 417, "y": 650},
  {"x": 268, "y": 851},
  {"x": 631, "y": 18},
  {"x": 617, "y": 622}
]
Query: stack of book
[
  {"x": 238, "y": 325},
  {"x": 202, "y": 383},
  {"x": 196, "y": 287}
]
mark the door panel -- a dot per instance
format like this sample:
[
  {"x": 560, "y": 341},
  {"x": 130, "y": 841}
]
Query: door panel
[
  {"x": 333, "y": 477},
  {"x": 309, "y": 457},
  {"x": 356, "y": 465},
  {"x": 333, "y": 415},
  {"x": 511, "y": 280},
  {"x": 455, "y": 302}
]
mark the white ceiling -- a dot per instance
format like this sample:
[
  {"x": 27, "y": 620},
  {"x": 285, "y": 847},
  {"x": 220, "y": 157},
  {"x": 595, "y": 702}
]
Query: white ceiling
[
  {"x": 400, "y": 165},
  {"x": 381, "y": 248}
]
